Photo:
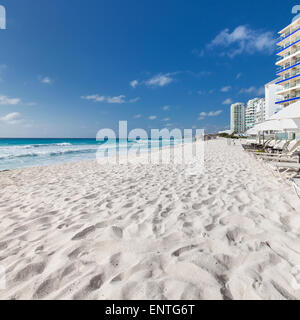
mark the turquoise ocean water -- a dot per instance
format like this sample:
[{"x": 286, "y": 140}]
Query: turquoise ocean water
[{"x": 20, "y": 153}]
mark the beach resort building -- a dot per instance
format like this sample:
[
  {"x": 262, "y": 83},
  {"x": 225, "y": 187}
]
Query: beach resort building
[
  {"x": 250, "y": 114},
  {"x": 271, "y": 98},
  {"x": 255, "y": 112},
  {"x": 237, "y": 118},
  {"x": 260, "y": 112},
  {"x": 288, "y": 63}
]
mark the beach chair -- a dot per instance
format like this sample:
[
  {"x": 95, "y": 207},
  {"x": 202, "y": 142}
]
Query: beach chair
[
  {"x": 289, "y": 153},
  {"x": 277, "y": 146},
  {"x": 283, "y": 169},
  {"x": 274, "y": 147},
  {"x": 280, "y": 146},
  {"x": 261, "y": 146},
  {"x": 249, "y": 144},
  {"x": 268, "y": 147}
]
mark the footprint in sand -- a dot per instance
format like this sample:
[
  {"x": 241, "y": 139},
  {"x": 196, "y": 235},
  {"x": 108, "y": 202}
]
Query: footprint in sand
[
  {"x": 117, "y": 232},
  {"x": 115, "y": 259},
  {"x": 84, "y": 233},
  {"x": 3, "y": 245},
  {"x": 94, "y": 284},
  {"x": 178, "y": 252},
  {"x": 30, "y": 271},
  {"x": 91, "y": 196},
  {"x": 209, "y": 227},
  {"x": 196, "y": 206},
  {"x": 47, "y": 287}
]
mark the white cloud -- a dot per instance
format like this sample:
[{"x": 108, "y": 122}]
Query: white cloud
[
  {"x": 120, "y": 99},
  {"x": 203, "y": 115},
  {"x": 4, "y": 100},
  {"x": 253, "y": 90},
  {"x": 160, "y": 80},
  {"x": 94, "y": 97},
  {"x": 166, "y": 108},
  {"x": 46, "y": 80},
  {"x": 239, "y": 75},
  {"x": 166, "y": 119},
  {"x": 226, "y": 89},
  {"x": 244, "y": 40},
  {"x": 12, "y": 118},
  {"x": 114, "y": 100},
  {"x": 134, "y": 100},
  {"x": 152, "y": 117},
  {"x": 137, "y": 116},
  {"x": 227, "y": 101},
  {"x": 215, "y": 113},
  {"x": 134, "y": 83}
]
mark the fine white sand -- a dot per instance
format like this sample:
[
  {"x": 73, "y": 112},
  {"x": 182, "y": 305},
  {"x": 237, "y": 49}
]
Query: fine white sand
[{"x": 142, "y": 231}]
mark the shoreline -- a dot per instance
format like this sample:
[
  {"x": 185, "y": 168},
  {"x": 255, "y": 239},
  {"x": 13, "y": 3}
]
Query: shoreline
[{"x": 104, "y": 159}]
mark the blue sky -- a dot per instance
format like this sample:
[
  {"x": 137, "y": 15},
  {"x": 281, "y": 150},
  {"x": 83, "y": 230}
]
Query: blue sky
[{"x": 70, "y": 68}]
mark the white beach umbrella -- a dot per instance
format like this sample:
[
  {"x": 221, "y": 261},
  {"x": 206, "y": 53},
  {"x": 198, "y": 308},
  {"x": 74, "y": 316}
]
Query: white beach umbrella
[
  {"x": 275, "y": 125},
  {"x": 290, "y": 112},
  {"x": 290, "y": 124},
  {"x": 252, "y": 132},
  {"x": 279, "y": 125}
]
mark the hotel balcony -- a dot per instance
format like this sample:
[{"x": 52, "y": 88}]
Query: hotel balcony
[
  {"x": 290, "y": 66},
  {"x": 289, "y": 49},
  {"x": 288, "y": 63},
  {"x": 288, "y": 57},
  {"x": 291, "y": 97},
  {"x": 290, "y": 87},
  {"x": 289, "y": 38},
  {"x": 290, "y": 76},
  {"x": 289, "y": 32}
]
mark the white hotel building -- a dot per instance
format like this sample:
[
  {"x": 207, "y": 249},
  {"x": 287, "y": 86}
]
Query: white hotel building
[
  {"x": 271, "y": 99},
  {"x": 255, "y": 112},
  {"x": 288, "y": 63},
  {"x": 237, "y": 121}
]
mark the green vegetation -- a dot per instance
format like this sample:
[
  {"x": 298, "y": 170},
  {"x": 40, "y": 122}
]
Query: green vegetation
[
  {"x": 224, "y": 135},
  {"x": 231, "y": 136}
]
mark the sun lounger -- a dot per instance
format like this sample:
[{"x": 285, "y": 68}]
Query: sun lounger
[
  {"x": 256, "y": 146},
  {"x": 279, "y": 147},
  {"x": 249, "y": 144},
  {"x": 269, "y": 145},
  {"x": 262, "y": 146},
  {"x": 290, "y": 152},
  {"x": 285, "y": 165}
]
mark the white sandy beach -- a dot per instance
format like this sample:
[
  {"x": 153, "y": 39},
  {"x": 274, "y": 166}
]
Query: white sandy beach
[{"x": 89, "y": 231}]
